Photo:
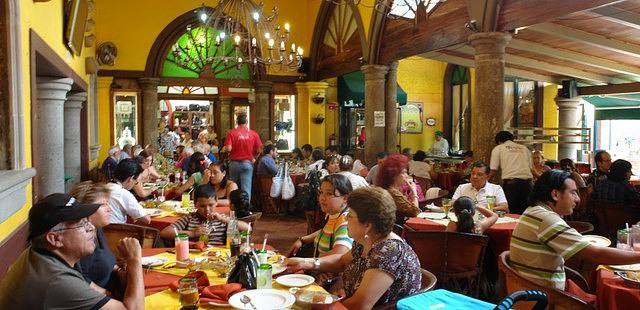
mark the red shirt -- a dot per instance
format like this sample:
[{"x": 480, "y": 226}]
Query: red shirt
[{"x": 244, "y": 143}]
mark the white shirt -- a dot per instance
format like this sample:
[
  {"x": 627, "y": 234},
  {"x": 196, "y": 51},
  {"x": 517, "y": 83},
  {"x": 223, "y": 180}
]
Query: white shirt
[
  {"x": 356, "y": 180},
  {"x": 358, "y": 166},
  {"x": 514, "y": 159},
  {"x": 440, "y": 147},
  {"x": 480, "y": 196},
  {"x": 420, "y": 169},
  {"x": 123, "y": 204},
  {"x": 373, "y": 173},
  {"x": 315, "y": 166}
]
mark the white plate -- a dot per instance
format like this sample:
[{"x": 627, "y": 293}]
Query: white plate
[
  {"x": 597, "y": 240},
  {"x": 154, "y": 212},
  {"x": 264, "y": 299},
  {"x": 295, "y": 280},
  {"x": 153, "y": 261},
  {"x": 431, "y": 215},
  {"x": 632, "y": 267},
  {"x": 278, "y": 268}
]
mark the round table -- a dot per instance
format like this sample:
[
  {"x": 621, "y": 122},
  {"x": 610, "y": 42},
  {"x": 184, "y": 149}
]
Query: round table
[{"x": 613, "y": 293}]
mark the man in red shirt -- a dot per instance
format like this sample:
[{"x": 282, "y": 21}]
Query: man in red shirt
[{"x": 242, "y": 143}]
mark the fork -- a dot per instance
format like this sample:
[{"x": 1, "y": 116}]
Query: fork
[{"x": 246, "y": 300}]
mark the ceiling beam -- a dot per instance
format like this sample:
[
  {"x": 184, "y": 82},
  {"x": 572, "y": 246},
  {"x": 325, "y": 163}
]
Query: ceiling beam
[
  {"x": 588, "y": 77},
  {"x": 507, "y": 71},
  {"x": 610, "y": 89},
  {"x": 588, "y": 38},
  {"x": 580, "y": 58},
  {"x": 620, "y": 16}
]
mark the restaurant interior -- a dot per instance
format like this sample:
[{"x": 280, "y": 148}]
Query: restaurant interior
[{"x": 80, "y": 78}]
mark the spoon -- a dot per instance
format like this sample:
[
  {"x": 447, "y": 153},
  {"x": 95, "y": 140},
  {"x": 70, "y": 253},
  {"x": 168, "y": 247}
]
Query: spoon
[{"x": 246, "y": 300}]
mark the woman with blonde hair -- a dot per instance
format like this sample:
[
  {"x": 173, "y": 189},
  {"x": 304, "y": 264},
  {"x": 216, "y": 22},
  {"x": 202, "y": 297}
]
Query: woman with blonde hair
[{"x": 99, "y": 267}]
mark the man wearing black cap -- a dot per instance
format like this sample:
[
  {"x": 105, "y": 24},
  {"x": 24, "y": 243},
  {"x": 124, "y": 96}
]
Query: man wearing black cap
[{"x": 43, "y": 276}]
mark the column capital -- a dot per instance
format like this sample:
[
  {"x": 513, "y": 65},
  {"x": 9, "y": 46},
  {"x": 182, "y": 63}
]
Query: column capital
[
  {"x": 374, "y": 72},
  {"x": 489, "y": 42},
  {"x": 49, "y": 88},
  {"x": 263, "y": 86},
  {"x": 75, "y": 100},
  {"x": 149, "y": 83},
  {"x": 105, "y": 82},
  {"x": 567, "y": 103},
  {"x": 311, "y": 85}
]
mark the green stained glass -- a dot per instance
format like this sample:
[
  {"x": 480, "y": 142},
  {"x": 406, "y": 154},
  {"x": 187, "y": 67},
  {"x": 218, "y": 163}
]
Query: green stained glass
[{"x": 196, "y": 54}]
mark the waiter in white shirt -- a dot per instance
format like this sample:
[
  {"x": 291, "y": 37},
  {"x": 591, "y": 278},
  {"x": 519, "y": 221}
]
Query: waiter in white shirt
[
  {"x": 515, "y": 162},
  {"x": 480, "y": 188},
  {"x": 441, "y": 145}
]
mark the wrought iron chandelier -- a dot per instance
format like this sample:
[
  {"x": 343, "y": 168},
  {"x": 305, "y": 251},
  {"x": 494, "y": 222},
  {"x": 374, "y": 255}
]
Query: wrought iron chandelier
[{"x": 237, "y": 35}]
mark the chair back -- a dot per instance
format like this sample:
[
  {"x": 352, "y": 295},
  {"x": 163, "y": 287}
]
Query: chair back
[
  {"x": 582, "y": 227},
  {"x": 427, "y": 284},
  {"x": 252, "y": 219},
  {"x": 267, "y": 204},
  {"x": 147, "y": 236},
  {"x": 457, "y": 262},
  {"x": 438, "y": 199},
  {"x": 512, "y": 281},
  {"x": 613, "y": 216},
  {"x": 582, "y": 212}
]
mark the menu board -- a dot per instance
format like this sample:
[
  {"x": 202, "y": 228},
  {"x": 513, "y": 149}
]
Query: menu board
[{"x": 411, "y": 117}]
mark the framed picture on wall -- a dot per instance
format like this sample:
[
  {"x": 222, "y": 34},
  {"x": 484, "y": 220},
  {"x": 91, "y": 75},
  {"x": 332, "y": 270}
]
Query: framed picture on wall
[{"x": 411, "y": 117}]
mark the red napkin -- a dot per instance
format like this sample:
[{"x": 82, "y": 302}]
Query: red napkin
[
  {"x": 197, "y": 245},
  {"x": 574, "y": 289},
  {"x": 201, "y": 279},
  {"x": 220, "y": 293}
]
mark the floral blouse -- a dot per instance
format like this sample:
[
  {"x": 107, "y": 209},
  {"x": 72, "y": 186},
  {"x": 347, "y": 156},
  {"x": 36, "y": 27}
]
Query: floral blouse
[{"x": 393, "y": 256}]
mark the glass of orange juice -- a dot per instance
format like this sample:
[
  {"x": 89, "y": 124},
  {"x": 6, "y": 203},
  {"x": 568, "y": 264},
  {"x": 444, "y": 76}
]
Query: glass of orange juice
[{"x": 446, "y": 207}]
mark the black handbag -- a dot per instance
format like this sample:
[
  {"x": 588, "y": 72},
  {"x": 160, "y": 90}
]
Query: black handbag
[{"x": 244, "y": 272}]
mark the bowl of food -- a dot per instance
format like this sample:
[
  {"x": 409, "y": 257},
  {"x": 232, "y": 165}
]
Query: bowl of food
[
  {"x": 310, "y": 299},
  {"x": 631, "y": 278}
]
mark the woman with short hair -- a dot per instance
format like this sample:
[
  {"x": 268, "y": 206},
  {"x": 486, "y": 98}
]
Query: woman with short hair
[{"x": 381, "y": 267}]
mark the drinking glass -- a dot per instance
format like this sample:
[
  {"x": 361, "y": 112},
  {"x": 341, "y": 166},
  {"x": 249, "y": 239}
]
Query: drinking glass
[
  {"x": 186, "y": 199},
  {"x": 188, "y": 292},
  {"x": 182, "y": 247},
  {"x": 623, "y": 239},
  {"x": 491, "y": 202},
  {"x": 446, "y": 207},
  {"x": 264, "y": 277}
]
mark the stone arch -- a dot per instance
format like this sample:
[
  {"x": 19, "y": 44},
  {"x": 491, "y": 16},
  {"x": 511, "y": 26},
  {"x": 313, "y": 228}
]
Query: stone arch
[
  {"x": 166, "y": 38},
  {"x": 327, "y": 9}
]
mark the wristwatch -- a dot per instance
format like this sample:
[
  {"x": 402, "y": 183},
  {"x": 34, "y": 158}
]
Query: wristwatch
[{"x": 316, "y": 263}]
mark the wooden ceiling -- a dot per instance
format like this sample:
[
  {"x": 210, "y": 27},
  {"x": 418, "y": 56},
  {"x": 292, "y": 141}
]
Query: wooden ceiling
[{"x": 597, "y": 46}]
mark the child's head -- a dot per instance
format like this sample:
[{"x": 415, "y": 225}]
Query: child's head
[
  {"x": 240, "y": 202},
  {"x": 205, "y": 200},
  {"x": 464, "y": 209}
]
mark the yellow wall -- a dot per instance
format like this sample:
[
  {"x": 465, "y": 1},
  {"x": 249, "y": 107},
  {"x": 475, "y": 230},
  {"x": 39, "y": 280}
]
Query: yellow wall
[
  {"x": 332, "y": 121},
  {"x": 45, "y": 18},
  {"x": 133, "y": 26},
  {"x": 550, "y": 119},
  {"x": 422, "y": 79},
  {"x": 307, "y": 130}
]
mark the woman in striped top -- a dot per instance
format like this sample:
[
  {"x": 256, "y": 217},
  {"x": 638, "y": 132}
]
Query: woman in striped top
[
  {"x": 205, "y": 221},
  {"x": 333, "y": 238}
]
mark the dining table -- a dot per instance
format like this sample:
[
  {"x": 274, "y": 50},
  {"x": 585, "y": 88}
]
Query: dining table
[
  {"x": 158, "y": 280},
  {"x": 499, "y": 234},
  {"x": 613, "y": 293}
]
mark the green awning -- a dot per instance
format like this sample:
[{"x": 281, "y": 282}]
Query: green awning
[
  {"x": 625, "y": 106},
  {"x": 351, "y": 90}
]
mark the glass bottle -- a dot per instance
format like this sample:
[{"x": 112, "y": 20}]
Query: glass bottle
[{"x": 233, "y": 235}]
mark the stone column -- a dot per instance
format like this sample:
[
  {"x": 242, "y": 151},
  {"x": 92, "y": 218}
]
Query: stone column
[
  {"x": 391, "y": 110},
  {"x": 72, "y": 145},
  {"x": 374, "y": 101},
  {"x": 225, "y": 116},
  {"x": 568, "y": 116},
  {"x": 49, "y": 135},
  {"x": 488, "y": 115},
  {"x": 262, "y": 109},
  {"x": 150, "y": 110}
]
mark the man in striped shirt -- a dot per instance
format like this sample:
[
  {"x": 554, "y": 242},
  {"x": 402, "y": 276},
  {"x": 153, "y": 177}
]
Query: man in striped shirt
[
  {"x": 542, "y": 241},
  {"x": 205, "y": 221}
]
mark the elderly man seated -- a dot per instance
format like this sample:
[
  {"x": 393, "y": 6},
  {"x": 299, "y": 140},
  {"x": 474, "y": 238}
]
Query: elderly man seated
[
  {"x": 43, "y": 276},
  {"x": 542, "y": 241},
  {"x": 480, "y": 188}
]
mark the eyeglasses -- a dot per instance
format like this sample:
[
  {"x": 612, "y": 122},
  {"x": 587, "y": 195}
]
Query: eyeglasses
[{"x": 83, "y": 224}]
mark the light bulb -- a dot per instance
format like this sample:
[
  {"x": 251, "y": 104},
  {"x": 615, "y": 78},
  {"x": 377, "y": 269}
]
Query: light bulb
[
  {"x": 218, "y": 40},
  {"x": 287, "y": 27},
  {"x": 254, "y": 42},
  {"x": 282, "y": 46},
  {"x": 237, "y": 39},
  {"x": 271, "y": 42},
  {"x": 293, "y": 47},
  {"x": 222, "y": 35},
  {"x": 267, "y": 35},
  {"x": 300, "y": 51},
  {"x": 256, "y": 16},
  {"x": 239, "y": 59},
  {"x": 203, "y": 17}
]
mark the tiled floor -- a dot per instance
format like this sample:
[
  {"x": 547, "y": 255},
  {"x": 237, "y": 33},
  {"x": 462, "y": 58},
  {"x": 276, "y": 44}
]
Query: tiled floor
[{"x": 283, "y": 230}]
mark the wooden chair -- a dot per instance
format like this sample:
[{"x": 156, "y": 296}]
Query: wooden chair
[
  {"x": 613, "y": 216},
  {"x": 558, "y": 299},
  {"x": 428, "y": 282},
  {"x": 455, "y": 258},
  {"x": 147, "y": 236},
  {"x": 267, "y": 203},
  {"x": 252, "y": 219}
]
